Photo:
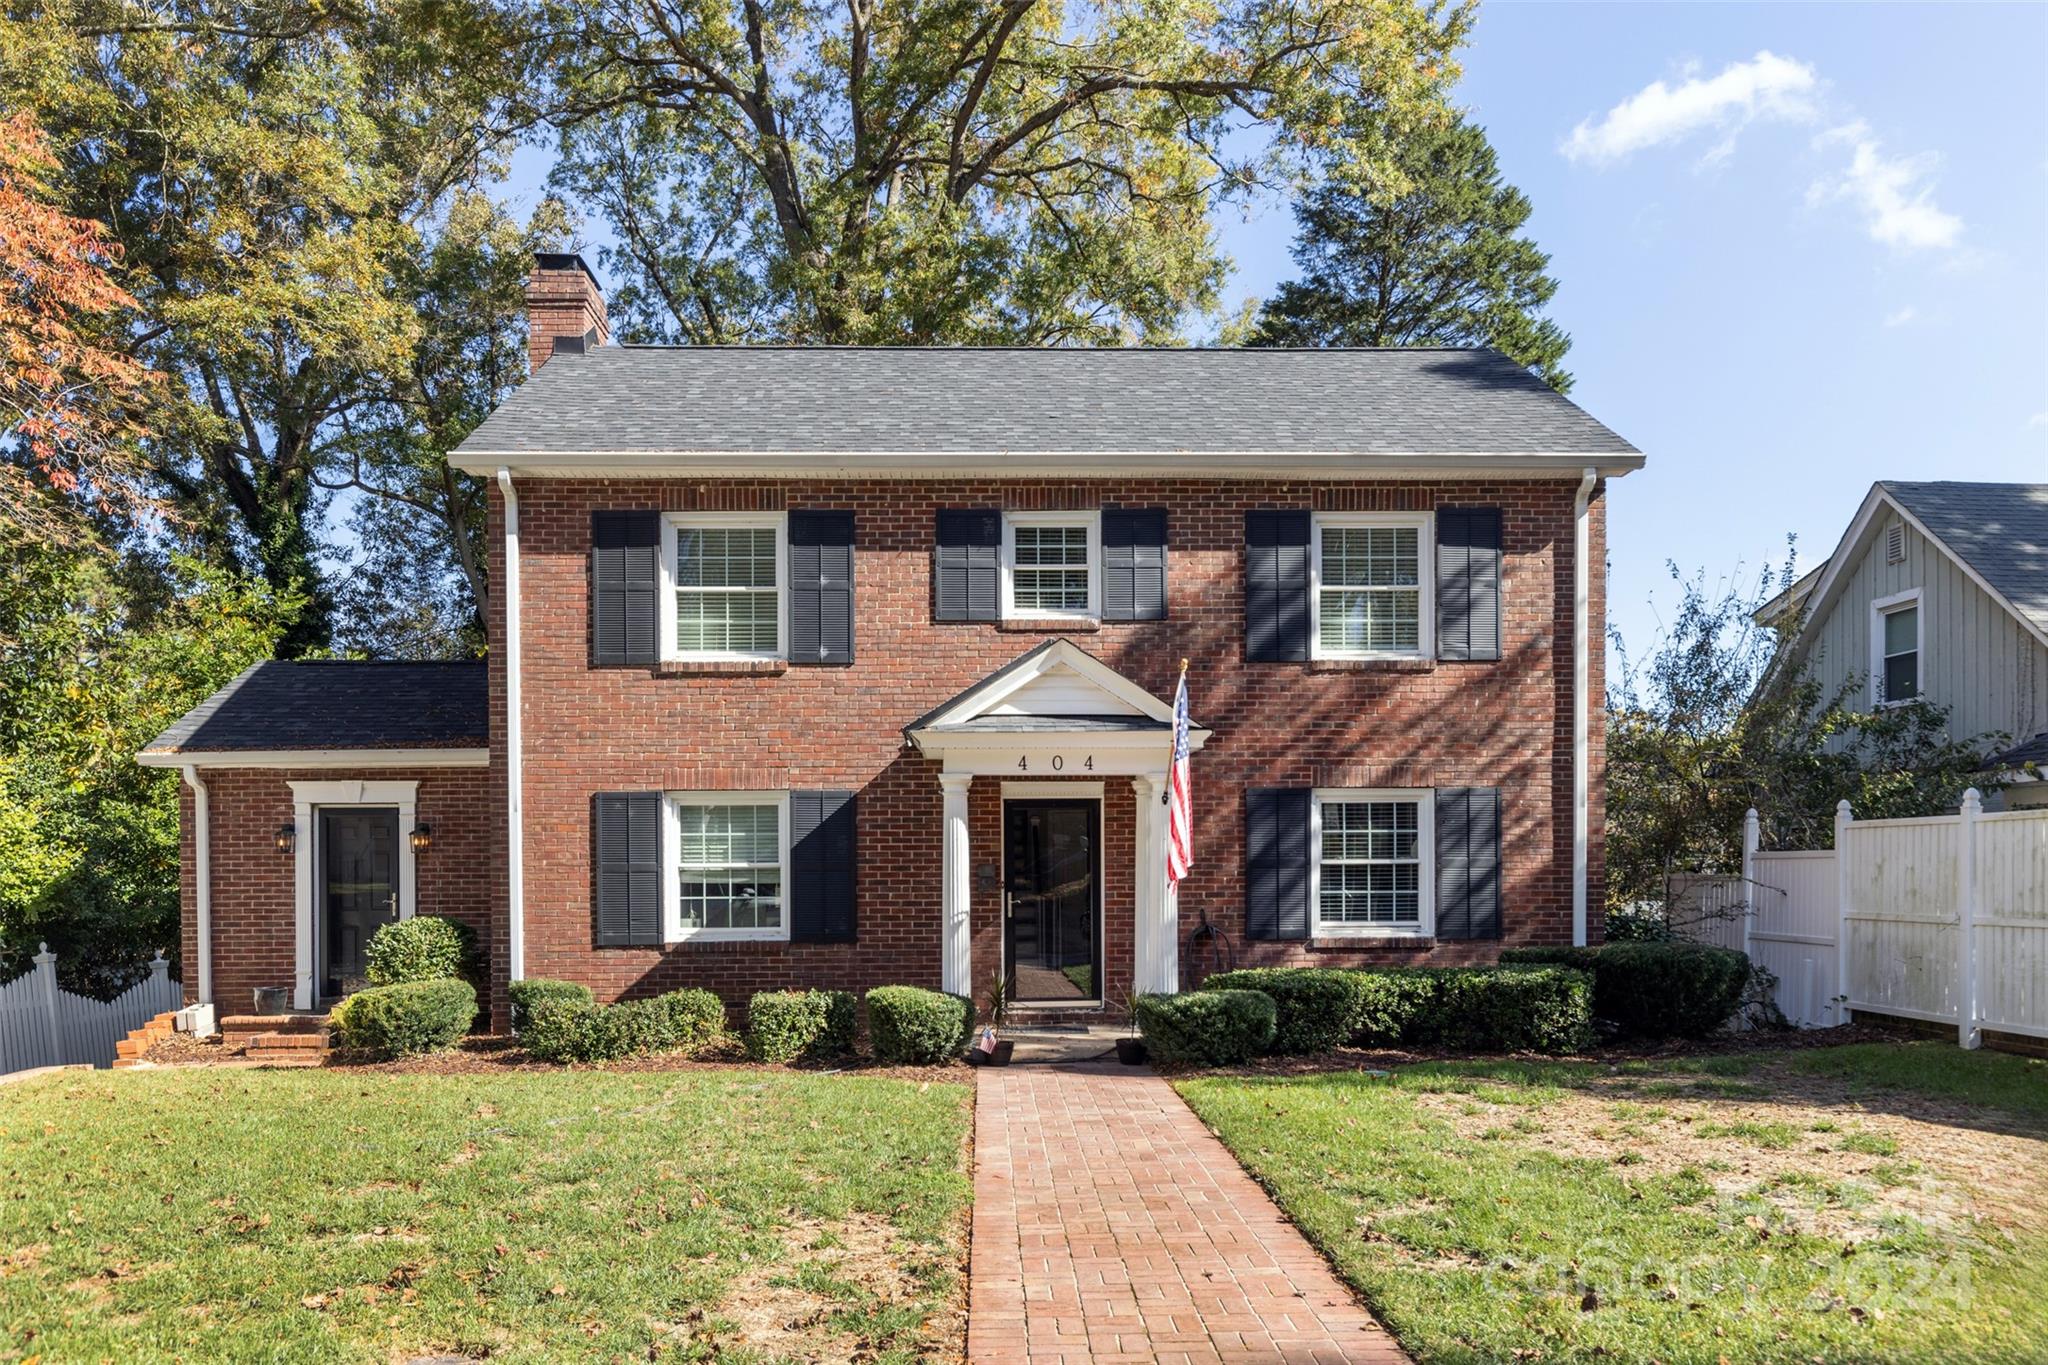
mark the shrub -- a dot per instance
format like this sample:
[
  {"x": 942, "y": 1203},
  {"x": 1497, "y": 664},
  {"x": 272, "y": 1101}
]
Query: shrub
[
  {"x": 1316, "y": 1009},
  {"x": 1656, "y": 990},
  {"x": 423, "y": 948},
  {"x": 562, "y": 1029},
  {"x": 912, "y": 1025},
  {"x": 785, "y": 1025},
  {"x": 1208, "y": 1027},
  {"x": 410, "y": 1017},
  {"x": 1389, "y": 1003},
  {"x": 527, "y": 994},
  {"x": 1510, "y": 1009}
]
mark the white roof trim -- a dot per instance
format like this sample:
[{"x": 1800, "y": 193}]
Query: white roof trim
[
  {"x": 1822, "y": 599},
  {"x": 1064, "y": 654},
  {"x": 1099, "y": 464},
  {"x": 314, "y": 758}
]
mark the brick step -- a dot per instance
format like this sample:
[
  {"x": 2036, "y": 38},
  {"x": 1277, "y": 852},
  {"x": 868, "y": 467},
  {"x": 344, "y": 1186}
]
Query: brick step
[
  {"x": 288, "y": 1042},
  {"x": 237, "y": 1028}
]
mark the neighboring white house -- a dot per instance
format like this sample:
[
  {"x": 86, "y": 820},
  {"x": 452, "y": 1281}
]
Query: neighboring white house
[{"x": 1939, "y": 591}]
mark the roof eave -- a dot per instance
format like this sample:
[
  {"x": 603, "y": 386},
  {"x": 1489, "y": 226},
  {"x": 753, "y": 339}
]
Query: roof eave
[
  {"x": 915, "y": 464},
  {"x": 451, "y": 757}
]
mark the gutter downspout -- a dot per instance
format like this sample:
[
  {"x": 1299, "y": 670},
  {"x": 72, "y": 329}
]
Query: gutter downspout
[
  {"x": 1582, "y": 574},
  {"x": 202, "y": 875},
  {"x": 515, "y": 772}
]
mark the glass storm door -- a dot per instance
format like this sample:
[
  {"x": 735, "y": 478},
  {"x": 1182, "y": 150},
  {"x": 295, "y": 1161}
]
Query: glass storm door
[
  {"x": 1052, "y": 897},
  {"x": 358, "y": 889}
]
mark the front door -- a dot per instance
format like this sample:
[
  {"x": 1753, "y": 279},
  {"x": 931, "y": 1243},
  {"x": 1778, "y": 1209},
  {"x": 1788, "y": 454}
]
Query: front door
[
  {"x": 1052, "y": 894},
  {"x": 358, "y": 889}
]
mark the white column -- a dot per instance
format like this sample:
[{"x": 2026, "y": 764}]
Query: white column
[
  {"x": 1752, "y": 839},
  {"x": 1158, "y": 929},
  {"x": 1843, "y": 819},
  {"x": 1966, "y": 921},
  {"x": 957, "y": 964}
]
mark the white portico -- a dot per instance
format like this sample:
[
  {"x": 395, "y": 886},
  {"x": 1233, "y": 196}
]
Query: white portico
[{"x": 1056, "y": 727}]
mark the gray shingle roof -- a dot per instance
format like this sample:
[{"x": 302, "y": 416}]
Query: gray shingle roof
[
  {"x": 340, "y": 704},
  {"x": 767, "y": 399},
  {"x": 2034, "y": 751},
  {"x": 1998, "y": 529}
]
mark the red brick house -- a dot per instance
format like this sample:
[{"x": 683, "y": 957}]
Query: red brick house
[{"x": 845, "y": 666}]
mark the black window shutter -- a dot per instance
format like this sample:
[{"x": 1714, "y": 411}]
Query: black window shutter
[
  {"x": 1276, "y": 862},
  {"x": 1134, "y": 563},
  {"x": 1276, "y": 585},
  {"x": 625, "y": 572},
  {"x": 626, "y": 897},
  {"x": 1467, "y": 862},
  {"x": 821, "y": 587},
  {"x": 967, "y": 565},
  {"x": 1468, "y": 548},
  {"x": 823, "y": 849}
]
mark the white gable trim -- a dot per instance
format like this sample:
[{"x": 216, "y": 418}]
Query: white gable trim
[
  {"x": 1844, "y": 560},
  {"x": 1129, "y": 698}
]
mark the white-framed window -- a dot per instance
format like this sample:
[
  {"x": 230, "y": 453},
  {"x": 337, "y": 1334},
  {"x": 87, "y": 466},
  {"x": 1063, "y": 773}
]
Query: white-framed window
[
  {"x": 1371, "y": 585},
  {"x": 726, "y": 857},
  {"x": 1897, "y": 638},
  {"x": 1052, "y": 565},
  {"x": 1372, "y": 861},
  {"x": 724, "y": 588}
]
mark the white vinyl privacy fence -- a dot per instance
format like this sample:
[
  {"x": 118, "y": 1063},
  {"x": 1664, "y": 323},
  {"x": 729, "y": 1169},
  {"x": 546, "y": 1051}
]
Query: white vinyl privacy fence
[
  {"x": 42, "y": 1024},
  {"x": 1943, "y": 919}
]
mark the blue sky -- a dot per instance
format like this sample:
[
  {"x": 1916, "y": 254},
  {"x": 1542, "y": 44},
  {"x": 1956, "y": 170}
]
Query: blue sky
[{"x": 1800, "y": 248}]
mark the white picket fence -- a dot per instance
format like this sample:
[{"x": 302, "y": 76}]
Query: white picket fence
[
  {"x": 42, "y": 1024},
  {"x": 1943, "y": 918}
]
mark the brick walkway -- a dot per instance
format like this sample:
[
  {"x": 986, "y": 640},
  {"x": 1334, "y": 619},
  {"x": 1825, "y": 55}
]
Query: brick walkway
[{"x": 1109, "y": 1225}]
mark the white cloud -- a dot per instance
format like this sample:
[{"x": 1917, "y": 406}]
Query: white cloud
[
  {"x": 1893, "y": 192},
  {"x": 2039, "y": 419},
  {"x": 1765, "y": 86},
  {"x": 1902, "y": 316}
]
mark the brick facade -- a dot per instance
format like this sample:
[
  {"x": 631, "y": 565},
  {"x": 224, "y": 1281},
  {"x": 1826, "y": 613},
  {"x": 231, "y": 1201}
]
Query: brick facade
[
  {"x": 254, "y": 933},
  {"x": 1409, "y": 724}
]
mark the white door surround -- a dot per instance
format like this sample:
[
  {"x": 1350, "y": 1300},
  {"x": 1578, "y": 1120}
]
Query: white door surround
[
  {"x": 1010, "y": 726},
  {"x": 308, "y": 799}
]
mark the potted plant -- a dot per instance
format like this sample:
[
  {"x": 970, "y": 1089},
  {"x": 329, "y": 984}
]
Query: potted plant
[
  {"x": 990, "y": 1049},
  {"x": 1130, "y": 1049}
]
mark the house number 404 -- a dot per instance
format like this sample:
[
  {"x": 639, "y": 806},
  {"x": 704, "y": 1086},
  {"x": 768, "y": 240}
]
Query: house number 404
[{"x": 1058, "y": 763}]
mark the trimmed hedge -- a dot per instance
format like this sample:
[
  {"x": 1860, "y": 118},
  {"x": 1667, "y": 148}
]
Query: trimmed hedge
[
  {"x": 1479, "y": 1009},
  {"x": 564, "y": 1030},
  {"x": 423, "y": 948},
  {"x": 1656, "y": 990},
  {"x": 410, "y": 1017},
  {"x": 908, "y": 1024},
  {"x": 527, "y": 994},
  {"x": 1207, "y": 1028},
  {"x": 785, "y": 1025}
]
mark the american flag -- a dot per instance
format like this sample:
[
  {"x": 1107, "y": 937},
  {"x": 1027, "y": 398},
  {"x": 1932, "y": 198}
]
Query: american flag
[{"x": 1180, "y": 817}]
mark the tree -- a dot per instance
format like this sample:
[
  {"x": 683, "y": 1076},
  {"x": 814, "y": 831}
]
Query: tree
[
  {"x": 1437, "y": 261},
  {"x": 283, "y": 179},
  {"x": 71, "y": 395},
  {"x": 1709, "y": 726},
  {"x": 940, "y": 171}
]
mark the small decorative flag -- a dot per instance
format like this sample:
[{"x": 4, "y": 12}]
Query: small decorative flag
[{"x": 1180, "y": 817}]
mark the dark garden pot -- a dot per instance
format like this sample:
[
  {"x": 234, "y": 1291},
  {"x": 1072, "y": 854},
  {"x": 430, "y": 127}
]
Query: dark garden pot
[
  {"x": 1000, "y": 1057},
  {"x": 273, "y": 999},
  {"x": 1130, "y": 1051}
]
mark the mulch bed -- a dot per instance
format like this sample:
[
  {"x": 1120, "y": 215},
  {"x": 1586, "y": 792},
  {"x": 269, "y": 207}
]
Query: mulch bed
[
  {"x": 492, "y": 1055},
  {"x": 1380, "y": 1059}
]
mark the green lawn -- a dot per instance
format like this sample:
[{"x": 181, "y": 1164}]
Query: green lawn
[
  {"x": 1868, "y": 1204},
  {"x": 323, "y": 1215}
]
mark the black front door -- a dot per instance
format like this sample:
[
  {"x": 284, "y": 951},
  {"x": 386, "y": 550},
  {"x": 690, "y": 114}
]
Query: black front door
[
  {"x": 1052, "y": 890},
  {"x": 358, "y": 889}
]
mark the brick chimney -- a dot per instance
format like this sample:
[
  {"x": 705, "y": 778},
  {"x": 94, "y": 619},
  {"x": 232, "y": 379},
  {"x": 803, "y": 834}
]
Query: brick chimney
[{"x": 564, "y": 308}]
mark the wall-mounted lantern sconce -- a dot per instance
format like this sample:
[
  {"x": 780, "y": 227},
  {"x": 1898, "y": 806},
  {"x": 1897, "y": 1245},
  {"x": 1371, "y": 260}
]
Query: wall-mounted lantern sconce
[
  {"x": 422, "y": 837},
  {"x": 287, "y": 838}
]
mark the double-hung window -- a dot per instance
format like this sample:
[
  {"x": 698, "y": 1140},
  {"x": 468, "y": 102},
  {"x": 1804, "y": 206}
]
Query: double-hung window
[
  {"x": 1052, "y": 565},
  {"x": 727, "y": 852},
  {"x": 1895, "y": 640},
  {"x": 1372, "y": 865},
  {"x": 725, "y": 588},
  {"x": 1370, "y": 585}
]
